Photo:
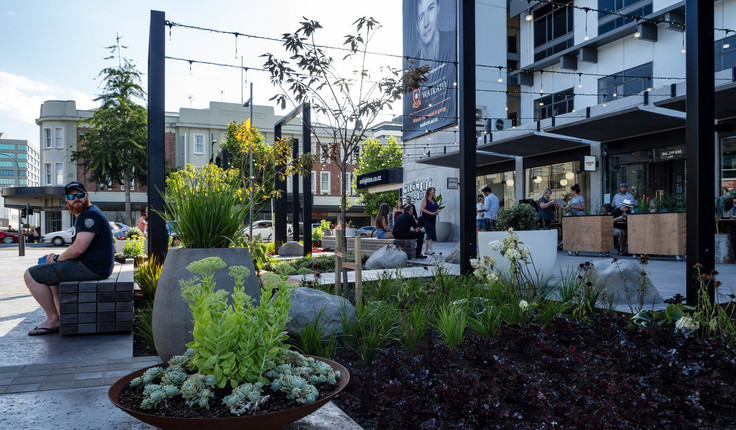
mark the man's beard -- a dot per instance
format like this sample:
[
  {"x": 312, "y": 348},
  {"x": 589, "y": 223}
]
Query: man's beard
[{"x": 78, "y": 209}]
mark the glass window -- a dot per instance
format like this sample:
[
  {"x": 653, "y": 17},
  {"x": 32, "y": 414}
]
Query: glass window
[
  {"x": 725, "y": 58},
  {"x": 728, "y": 163},
  {"x": 630, "y": 8},
  {"x": 59, "y": 137},
  {"x": 625, "y": 83},
  {"x": 22, "y": 147},
  {"x": 199, "y": 144},
  {"x": 48, "y": 173},
  {"x": 47, "y": 137},
  {"x": 554, "y": 104},
  {"x": 22, "y": 155},
  {"x": 553, "y": 29},
  {"x": 314, "y": 181},
  {"x": 4, "y": 172},
  {"x": 7, "y": 146},
  {"x": 558, "y": 178},
  {"x": 59, "y": 167},
  {"x": 52, "y": 221},
  {"x": 324, "y": 186},
  {"x": 502, "y": 185}
]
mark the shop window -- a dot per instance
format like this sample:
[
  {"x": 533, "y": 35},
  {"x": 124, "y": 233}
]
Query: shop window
[
  {"x": 728, "y": 163},
  {"x": 553, "y": 29},
  {"x": 554, "y": 104},
  {"x": 630, "y": 8},
  {"x": 625, "y": 83},
  {"x": 725, "y": 58},
  {"x": 52, "y": 221}
]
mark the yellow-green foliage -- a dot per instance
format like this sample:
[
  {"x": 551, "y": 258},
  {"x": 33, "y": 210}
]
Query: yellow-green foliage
[{"x": 236, "y": 343}]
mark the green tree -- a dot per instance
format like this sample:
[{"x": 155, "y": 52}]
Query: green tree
[
  {"x": 113, "y": 149},
  {"x": 345, "y": 107},
  {"x": 378, "y": 156}
]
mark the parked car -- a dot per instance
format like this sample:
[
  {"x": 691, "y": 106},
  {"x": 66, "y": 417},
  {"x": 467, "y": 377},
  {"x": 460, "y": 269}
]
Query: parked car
[
  {"x": 366, "y": 231},
  {"x": 264, "y": 228},
  {"x": 7, "y": 237},
  {"x": 59, "y": 238},
  {"x": 119, "y": 229}
]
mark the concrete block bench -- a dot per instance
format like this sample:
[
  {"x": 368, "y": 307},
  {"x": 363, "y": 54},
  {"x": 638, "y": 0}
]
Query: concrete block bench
[
  {"x": 104, "y": 306},
  {"x": 371, "y": 245}
]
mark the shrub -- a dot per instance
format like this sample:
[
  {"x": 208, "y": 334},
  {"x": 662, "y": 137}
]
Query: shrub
[
  {"x": 146, "y": 276},
  {"x": 144, "y": 326},
  {"x": 132, "y": 248},
  {"x": 134, "y": 233},
  {"x": 519, "y": 217}
]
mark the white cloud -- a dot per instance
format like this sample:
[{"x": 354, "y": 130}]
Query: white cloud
[{"x": 21, "y": 97}]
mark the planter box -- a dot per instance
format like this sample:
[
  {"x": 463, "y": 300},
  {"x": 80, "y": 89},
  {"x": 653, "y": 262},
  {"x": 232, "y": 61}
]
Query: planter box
[
  {"x": 592, "y": 233},
  {"x": 542, "y": 242},
  {"x": 657, "y": 234}
]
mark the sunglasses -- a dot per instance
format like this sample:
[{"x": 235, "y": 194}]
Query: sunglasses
[{"x": 80, "y": 195}]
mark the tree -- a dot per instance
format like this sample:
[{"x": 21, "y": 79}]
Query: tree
[
  {"x": 349, "y": 106},
  {"x": 113, "y": 149},
  {"x": 378, "y": 156}
]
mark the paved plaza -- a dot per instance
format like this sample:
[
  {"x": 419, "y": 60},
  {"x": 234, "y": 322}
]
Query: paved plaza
[{"x": 53, "y": 381}]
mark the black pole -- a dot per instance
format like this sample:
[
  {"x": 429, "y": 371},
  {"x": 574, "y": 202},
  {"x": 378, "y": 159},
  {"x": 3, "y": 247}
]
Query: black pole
[
  {"x": 158, "y": 242},
  {"x": 295, "y": 192},
  {"x": 280, "y": 206},
  {"x": 307, "y": 178},
  {"x": 466, "y": 96},
  {"x": 700, "y": 145}
]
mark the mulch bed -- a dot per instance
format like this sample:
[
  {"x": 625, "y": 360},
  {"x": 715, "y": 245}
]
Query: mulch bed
[{"x": 598, "y": 375}]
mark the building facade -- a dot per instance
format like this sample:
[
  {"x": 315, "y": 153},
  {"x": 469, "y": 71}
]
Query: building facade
[{"x": 19, "y": 167}]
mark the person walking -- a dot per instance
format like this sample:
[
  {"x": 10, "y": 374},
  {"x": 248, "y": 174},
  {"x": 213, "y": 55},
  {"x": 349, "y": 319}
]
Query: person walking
[
  {"x": 429, "y": 209},
  {"x": 491, "y": 206},
  {"x": 480, "y": 223}
]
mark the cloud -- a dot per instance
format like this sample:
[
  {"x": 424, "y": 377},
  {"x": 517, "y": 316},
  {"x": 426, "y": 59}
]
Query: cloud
[{"x": 21, "y": 97}]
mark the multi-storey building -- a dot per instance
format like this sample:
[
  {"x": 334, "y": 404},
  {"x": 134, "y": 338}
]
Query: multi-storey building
[
  {"x": 19, "y": 167},
  {"x": 193, "y": 136},
  {"x": 603, "y": 79}
]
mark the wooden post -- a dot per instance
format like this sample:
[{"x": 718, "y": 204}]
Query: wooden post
[
  {"x": 358, "y": 270},
  {"x": 338, "y": 260}
]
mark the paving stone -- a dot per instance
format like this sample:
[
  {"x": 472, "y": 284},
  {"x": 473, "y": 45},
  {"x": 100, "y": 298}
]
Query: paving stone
[
  {"x": 6, "y": 369},
  {"x": 20, "y": 380},
  {"x": 119, "y": 360},
  {"x": 59, "y": 378},
  {"x": 6, "y": 381},
  {"x": 55, "y": 385},
  {"x": 119, "y": 366},
  {"x": 44, "y": 366},
  {"x": 74, "y": 364},
  {"x": 68, "y": 328},
  {"x": 21, "y": 388},
  {"x": 63, "y": 371},
  {"x": 96, "y": 368},
  {"x": 27, "y": 373},
  {"x": 6, "y": 375},
  {"x": 2, "y": 388},
  {"x": 88, "y": 383},
  {"x": 89, "y": 375},
  {"x": 117, "y": 373}
]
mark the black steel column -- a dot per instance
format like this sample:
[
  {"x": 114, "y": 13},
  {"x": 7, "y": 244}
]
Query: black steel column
[
  {"x": 307, "y": 178},
  {"x": 157, "y": 240},
  {"x": 295, "y": 192},
  {"x": 280, "y": 206},
  {"x": 466, "y": 97},
  {"x": 700, "y": 144}
]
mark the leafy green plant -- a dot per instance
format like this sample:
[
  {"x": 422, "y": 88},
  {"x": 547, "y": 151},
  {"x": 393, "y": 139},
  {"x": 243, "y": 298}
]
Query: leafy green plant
[
  {"x": 146, "y": 276},
  {"x": 285, "y": 269},
  {"x": 313, "y": 339},
  {"x": 486, "y": 321},
  {"x": 235, "y": 342},
  {"x": 414, "y": 325},
  {"x": 317, "y": 234},
  {"x": 518, "y": 217},
  {"x": 144, "y": 326},
  {"x": 133, "y": 248},
  {"x": 206, "y": 207},
  {"x": 451, "y": 323},
  {"x": 134, "y": 233}
]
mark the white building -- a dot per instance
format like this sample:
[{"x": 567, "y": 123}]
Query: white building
[{"x": 19, "y": 167}]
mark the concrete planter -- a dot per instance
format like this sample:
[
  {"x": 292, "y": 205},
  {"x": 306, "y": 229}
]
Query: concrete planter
[
  {"x": 542, "y": 242},
  {"x": 172, "y": 319},
  {"x": 724, "y": 250},
  {"x": 443, "y": 230}
]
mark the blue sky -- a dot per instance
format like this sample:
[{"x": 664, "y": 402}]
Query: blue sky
[{"x": 53, "y": 50}]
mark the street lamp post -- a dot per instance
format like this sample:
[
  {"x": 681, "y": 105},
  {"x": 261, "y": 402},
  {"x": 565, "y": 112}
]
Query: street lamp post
[{"x": 250, "y": 154}]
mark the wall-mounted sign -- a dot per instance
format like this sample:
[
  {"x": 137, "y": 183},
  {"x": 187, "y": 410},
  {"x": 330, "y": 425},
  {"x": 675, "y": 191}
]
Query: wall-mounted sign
[
  {"x": 589, "y": 163},
  {"x": 453, "y": 183},
  {"x": 394, "y": 175},
  {"x": 417, "y": 189}
]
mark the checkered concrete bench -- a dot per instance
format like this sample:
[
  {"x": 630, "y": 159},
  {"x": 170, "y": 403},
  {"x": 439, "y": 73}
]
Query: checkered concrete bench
[{"x": 104, "y": 306}]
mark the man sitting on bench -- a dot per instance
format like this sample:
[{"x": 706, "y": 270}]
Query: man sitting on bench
[
  {"x": 406, "y": 228},
  {"x": 90, "y": 257}
]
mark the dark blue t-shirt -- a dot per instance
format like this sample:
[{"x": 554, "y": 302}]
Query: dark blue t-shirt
[{"x": 100, "y": 255}]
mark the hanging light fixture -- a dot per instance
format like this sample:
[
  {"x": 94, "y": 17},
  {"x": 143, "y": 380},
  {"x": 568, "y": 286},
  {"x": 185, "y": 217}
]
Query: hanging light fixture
[
  {"x": 500, "y": 79},
  {"x": 726, "y": 45},
  {"x": 537, "y": 179},
  {"x": 580, "y": 80},
  {"x": 510, "y": 182},
  {"x": 683, "y": 43},
  {"x": 586, "y": 23},
  {"x": 563, "y": 182},
  {"x": 569, "y": 175}
]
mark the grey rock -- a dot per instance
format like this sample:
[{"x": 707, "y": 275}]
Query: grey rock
[
  {"x": 454, "y": 256},
  {"x": 291, "y": 249},
  {"x": 621, "y": 280},
  {"x": 306, "y": 305},
  {"x": 387, "y": 257}
]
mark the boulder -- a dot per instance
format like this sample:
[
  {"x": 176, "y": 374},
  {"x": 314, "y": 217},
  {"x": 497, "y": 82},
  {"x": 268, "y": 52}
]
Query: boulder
[
  {"x": 306, "y": 305},
  {"x": 387, "y": 257},
  {"x": 291, "y": 249},
  {"x": 621, "y": 280},
  {"x": 454, "y": 256}
]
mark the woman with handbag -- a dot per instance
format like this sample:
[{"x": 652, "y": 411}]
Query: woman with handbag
[{"x": 429, "y": 215}]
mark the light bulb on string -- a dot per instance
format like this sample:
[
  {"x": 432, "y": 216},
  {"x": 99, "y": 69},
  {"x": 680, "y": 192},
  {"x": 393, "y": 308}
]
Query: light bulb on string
[
  {"x": 683, "y": 43},
  {"x": 580, "y": 80},
  {"x": 236, "y": 45},
  {"x": 726, "y": 45},
  {"x": 500, "y": 79},
  {"x": 586, "y": 24}
]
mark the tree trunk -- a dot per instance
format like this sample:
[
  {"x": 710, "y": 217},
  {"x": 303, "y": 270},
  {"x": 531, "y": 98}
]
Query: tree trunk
[
  {"x": 127, "y": 201},
  {"x": 343, "y": 215}
]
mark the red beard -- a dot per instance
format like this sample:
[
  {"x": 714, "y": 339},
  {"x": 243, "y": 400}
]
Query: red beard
[{"x": 77, "y": 207}]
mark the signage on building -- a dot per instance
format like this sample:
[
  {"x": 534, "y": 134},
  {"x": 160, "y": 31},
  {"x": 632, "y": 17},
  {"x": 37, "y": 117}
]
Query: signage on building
[
  {"x": 453, "y": 183},
  {"x": 430, "y": 37},
  {"x": 671, "y": 154},
  {"x": 417, "y": 189},
  {"x": 393, "y": 175},
  {"x": 589, "y": 163}
]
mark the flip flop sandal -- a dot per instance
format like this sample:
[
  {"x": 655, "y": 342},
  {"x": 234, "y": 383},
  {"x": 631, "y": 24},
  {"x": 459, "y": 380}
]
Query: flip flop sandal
[{"x": 44, "y": 330}]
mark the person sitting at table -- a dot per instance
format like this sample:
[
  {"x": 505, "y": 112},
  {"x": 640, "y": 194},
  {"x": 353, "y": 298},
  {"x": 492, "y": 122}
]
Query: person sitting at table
[
  {"x": 619, "y": 224},
  {"x": 383, "y": 231},
  {"x": 406, "y": 228}
]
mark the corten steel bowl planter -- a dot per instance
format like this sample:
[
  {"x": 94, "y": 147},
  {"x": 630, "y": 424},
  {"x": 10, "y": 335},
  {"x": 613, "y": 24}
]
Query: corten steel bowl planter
[{"x": 265, "y": 421}]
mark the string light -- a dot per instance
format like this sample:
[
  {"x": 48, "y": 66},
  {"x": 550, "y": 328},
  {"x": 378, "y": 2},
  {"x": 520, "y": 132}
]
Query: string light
[
  {"x": 586, "y": 24},
  {"x": 683, "y": 43},
  {"x": 500, "y": 79}
]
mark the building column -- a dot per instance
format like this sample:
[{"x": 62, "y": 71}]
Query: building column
[{"x": 596, "y": 177}]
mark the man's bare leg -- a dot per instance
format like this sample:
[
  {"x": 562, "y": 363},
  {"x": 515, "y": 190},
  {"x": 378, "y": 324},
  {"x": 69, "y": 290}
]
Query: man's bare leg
[{"x": 47, "y": 297}]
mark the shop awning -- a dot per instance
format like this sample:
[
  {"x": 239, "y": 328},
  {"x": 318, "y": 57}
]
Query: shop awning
[
  {"x": 725, "y": 107},
  {"x": 528, "y": 143},
  {"x": 633, "y": 121},
  {"x": 482, "y": 158}
]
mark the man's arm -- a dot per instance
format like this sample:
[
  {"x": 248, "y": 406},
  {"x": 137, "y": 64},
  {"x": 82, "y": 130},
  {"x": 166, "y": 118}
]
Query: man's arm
[{"x": 80, "y": 245}]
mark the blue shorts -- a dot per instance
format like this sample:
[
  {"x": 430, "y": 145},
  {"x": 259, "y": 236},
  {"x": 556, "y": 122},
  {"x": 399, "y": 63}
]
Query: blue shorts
[
  {"x": 480, "y": 223},
  {"x": 380, "y": 233}
]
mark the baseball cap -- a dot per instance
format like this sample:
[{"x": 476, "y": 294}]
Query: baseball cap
[
  {"x": 628, "y": 203},
  {"x": 74, "y": 185},
  {"x": 623, "y": 184}
]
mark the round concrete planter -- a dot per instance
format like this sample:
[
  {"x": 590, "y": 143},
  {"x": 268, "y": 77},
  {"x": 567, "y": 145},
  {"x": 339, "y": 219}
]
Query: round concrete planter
[
  {"x": 542, "y": 242},
  {"x": 172, "y": 319},
  {"x": 266, "y": 421},
  {"x": 443, "y": 230}
]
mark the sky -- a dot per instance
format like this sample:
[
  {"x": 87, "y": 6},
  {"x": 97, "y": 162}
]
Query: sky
[{"x": 52, "y": 50}]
